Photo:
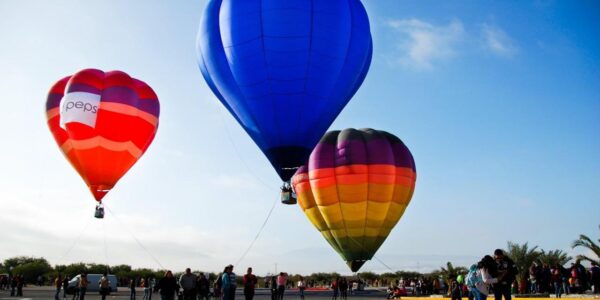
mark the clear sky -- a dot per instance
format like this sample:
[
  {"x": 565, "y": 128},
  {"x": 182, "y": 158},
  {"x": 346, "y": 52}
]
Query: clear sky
[{"x": 499, "y": 102}]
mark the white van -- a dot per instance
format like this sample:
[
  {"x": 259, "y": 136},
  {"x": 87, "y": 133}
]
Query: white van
[{"x": 94, "y": 285}]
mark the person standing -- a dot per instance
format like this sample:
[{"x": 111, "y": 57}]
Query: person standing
[
  {"x": 65, "y": 286},
  {"x": 218, "y": 285},
  {"x": 301, "y": 287},
  {"x": 20, "y": 284},
  {"x": 281, "y": 281},
  {"x": 455, "y": 289},
  {"x": 167, "y": 286},
  {"x": 13, "y": 286},
  {"x": 104, "y": 285},
  {"x": 595, "y": 277},
  {"x": 132, "y": 286},
  {"x": 481, "y": 285},
  {"x": 343, "y": 288},
  {"x": 556, "y": 279},
  {"x": 83, "y": 284},
  {"x": 273, "y": 285},
  {"x": 187, "y": 281},
  {"x": 203, "y": 287},
  {"x": 436, "y": 286},
  {"x": 582, "y": 277},
  {"x": 57, "y": 286},
  {"x": 143, "y": 286},
  {"x": 152, "y": 286},
  {"x": 76, "y": 287},
  {"x": 507, "y": 266},
  {"x": 335, "y": 287},
  {"x": 249, "y": 281},
  {"x": 145, "y": 283},
  {"x": 229, "y": 284}
]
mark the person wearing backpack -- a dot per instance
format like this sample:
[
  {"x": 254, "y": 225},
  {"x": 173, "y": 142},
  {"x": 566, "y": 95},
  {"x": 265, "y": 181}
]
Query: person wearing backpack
[
  {"x": 479, "y": 278},
  {"x": 506, "y": 265}
]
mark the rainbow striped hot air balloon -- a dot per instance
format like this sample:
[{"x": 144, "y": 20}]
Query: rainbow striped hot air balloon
[
  {"x": 103, "y": 122},
  {"x": 355, "y": 189}
]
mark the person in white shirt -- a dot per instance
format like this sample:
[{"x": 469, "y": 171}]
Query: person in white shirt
[
  {"x": 301, "y": 287},
  {"x": 485, "y": 268}
]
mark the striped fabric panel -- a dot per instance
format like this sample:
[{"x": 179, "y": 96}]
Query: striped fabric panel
[
  {"x": 126, "y": 123},
  {"x": 355, "y": 189}
]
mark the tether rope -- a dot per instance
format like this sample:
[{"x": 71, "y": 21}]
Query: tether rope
[
  {"x": 264, "y": 183},
  {"x": 75, "y": 241},
  {"x": 136, "y": 239},
  {"x": 105, "y": 249},
  {"x": 259, "y": 232}
]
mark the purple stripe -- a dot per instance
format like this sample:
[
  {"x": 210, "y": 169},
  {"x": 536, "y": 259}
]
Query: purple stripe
[
  {"x": 403, "y": 157},
  {"x": 127, "y": 96},
  {"x": 53, "y": 101},
  {"x": 150, "y": 106},
  {"x": 378, "y": 149},
  {"x": 82, "y": 87},
  {"x": 302, "y": 169}
]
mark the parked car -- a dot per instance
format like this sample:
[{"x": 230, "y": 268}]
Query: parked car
[{"x": 94, "y": 285}]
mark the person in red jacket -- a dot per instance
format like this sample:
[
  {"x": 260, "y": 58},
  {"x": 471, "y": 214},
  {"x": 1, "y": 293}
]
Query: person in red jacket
[{"x": 249, "y": 281}]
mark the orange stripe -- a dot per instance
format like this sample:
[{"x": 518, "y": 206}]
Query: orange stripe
[
  {"x": 383, "y": 169},
  {"x": 99, "y": 141},
  {"x": 302, "y": 188},
  {"x": 387, "y": 174},
  {"x": 52, "y": 113},
  {"x": 130, "y": 111}
]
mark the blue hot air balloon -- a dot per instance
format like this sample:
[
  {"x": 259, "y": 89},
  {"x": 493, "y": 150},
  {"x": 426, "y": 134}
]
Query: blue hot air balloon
[{"x": 284, "y": 69}]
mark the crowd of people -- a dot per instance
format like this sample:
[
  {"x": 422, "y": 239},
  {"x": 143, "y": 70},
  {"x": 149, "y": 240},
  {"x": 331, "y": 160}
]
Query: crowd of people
[
  {"x": 190, "y": 286},
  {"x": 14, "y": 284},
  {"x": 495, "y": 275}
]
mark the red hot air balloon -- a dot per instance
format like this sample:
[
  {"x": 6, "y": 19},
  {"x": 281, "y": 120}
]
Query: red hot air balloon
[{"x": 103, "y": 122}]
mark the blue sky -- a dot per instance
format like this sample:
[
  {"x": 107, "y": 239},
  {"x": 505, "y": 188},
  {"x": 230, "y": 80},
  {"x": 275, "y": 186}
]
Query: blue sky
[{"x": 499, "y": 103}]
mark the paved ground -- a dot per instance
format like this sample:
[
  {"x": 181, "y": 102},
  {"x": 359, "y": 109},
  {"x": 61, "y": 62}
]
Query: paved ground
[{"x": 261, "y": 294}]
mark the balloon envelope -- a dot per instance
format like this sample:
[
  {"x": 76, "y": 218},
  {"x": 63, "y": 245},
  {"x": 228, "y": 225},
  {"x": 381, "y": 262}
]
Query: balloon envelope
[
  {"x": 103, "y": 123},
  {"x": 284, "y": 69},
  {"x": 355, "y": 189}
]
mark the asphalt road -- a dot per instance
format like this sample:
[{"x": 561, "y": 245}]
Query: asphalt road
[{"x": 123, "y": 293}]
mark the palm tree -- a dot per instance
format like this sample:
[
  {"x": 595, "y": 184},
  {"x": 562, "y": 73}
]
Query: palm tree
[
  {"x": 523, "y": 257},
  {"x": 451, "y": 272},
  {"x": 554, "y": 257},
  {"x": 585, "y": 242}
]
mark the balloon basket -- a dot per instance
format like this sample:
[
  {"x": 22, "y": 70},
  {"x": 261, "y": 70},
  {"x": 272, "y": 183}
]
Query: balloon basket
[
  {"x": 99, "y": 214},
  {"x": 287, "y": 194}
]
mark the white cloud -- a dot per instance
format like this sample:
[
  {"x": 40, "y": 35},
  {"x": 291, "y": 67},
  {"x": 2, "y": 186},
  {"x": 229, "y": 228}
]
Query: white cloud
[
  {"x": 497, "y": 41},
  {"x": 424, "y": 44}
]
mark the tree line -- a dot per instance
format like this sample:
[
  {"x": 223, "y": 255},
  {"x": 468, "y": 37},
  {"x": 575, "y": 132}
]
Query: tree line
[{"x": 32, "y": 268}]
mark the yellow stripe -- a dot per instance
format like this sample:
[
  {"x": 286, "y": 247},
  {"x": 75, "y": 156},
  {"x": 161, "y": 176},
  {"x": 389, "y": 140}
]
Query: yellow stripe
[{"x": 103, "y": 143}]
